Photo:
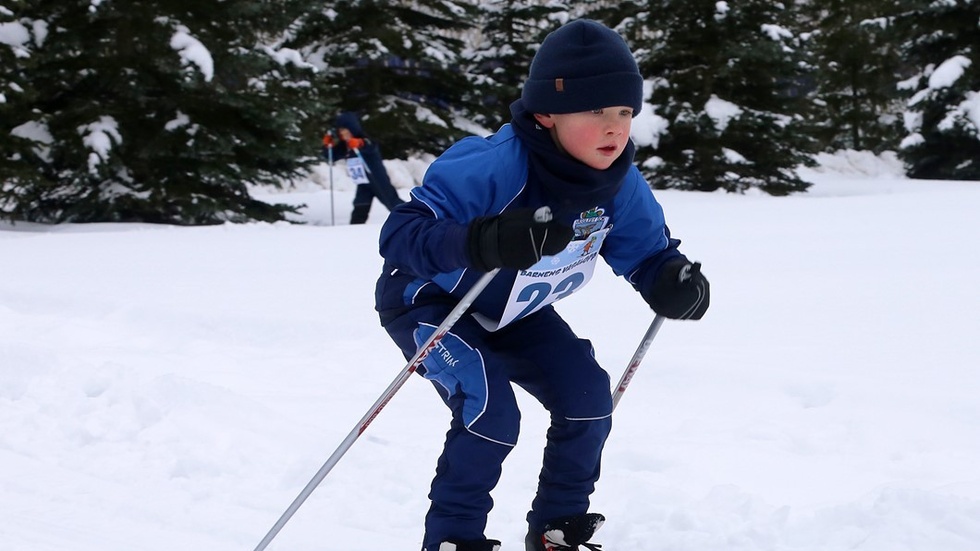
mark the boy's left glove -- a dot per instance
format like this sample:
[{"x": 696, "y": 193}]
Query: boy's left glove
[{"x": 680, "y": 291}]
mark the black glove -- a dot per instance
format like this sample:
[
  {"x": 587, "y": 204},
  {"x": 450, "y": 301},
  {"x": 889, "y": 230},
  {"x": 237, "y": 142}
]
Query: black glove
[
  {"x": 515, "y": 239},
  {"x": 679, "y": 291}
]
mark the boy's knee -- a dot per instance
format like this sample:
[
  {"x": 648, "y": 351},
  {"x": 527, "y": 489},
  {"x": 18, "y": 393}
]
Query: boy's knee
[
  {"x": 589, "y": 399},
  {"x": 500, "y": 421}
]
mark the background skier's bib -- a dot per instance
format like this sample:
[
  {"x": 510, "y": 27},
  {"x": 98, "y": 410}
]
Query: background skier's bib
[{"x": 356, "y": 171}]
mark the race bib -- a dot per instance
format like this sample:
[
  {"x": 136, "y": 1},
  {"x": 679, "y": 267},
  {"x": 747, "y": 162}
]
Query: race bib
[
  {"x": 357, "y": 171},
  {"x": 551, "y": 279}
]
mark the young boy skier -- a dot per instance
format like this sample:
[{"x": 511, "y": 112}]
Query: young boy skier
[{"x": 566, "y": 148}]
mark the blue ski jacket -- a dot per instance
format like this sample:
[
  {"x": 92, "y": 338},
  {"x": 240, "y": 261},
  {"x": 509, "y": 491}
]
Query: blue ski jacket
[{"x": 424, "y": 241}]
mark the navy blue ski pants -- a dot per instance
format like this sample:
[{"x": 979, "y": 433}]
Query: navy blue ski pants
[{"x": 473, "y": 370}]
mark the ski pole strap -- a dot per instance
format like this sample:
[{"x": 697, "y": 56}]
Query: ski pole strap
[{"x": 361, "y": 157}]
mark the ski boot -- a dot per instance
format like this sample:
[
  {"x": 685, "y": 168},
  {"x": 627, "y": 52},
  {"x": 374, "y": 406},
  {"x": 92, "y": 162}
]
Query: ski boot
[
  {"x": 473, "y": 545},
  {"x": 566, "y": 534}
]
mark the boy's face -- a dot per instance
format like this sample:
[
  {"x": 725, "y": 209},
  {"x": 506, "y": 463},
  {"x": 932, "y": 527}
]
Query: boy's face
[
  {"x": 344, "y": 133},
  {"x": 597, "y": 138}
]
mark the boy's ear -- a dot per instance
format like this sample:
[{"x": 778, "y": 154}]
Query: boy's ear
[{"x": 544, "y": 120}]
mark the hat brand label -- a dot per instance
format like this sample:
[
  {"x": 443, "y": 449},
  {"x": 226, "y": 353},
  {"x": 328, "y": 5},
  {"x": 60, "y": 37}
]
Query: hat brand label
[{"x": 559, "y": 85}]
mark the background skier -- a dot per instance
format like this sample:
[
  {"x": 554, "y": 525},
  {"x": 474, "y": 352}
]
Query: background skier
[{"x": 364, "y": 166}]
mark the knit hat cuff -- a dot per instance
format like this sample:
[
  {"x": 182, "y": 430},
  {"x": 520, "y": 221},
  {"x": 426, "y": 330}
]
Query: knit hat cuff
[{"x": 575, "y": 95}]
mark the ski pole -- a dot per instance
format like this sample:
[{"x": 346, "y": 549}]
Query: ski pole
[
  {"x": 330, "y": 158},
  {"x": 413, "y": 364},
  {"x": 689, "y": 271},
  {"x": 634, "y": 364}
]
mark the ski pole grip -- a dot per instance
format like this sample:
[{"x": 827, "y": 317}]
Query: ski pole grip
[
  {"x": 543, "y": 215},
  {"x": 688, "y": 272}
]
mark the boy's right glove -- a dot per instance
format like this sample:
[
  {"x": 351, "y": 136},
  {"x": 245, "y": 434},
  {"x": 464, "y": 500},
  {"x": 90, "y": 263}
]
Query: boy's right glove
[
  {"x": 515, "y": 239},
  {"x": 680, "y": 292}
]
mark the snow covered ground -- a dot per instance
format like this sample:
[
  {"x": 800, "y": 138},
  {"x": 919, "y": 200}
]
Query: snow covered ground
[{"x": 167, "y": 388}]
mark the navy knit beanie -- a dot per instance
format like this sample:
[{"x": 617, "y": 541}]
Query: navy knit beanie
[{"x": 582, "y": 66}]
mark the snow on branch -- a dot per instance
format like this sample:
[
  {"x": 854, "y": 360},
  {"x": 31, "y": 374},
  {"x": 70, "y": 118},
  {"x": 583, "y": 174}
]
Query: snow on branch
[
  {"x": 16, "y": 36},
  {"x": 99, "y": 137},
  {"x": 776, "y": 32},
  {"x": 191, "y": 51},
  {"x": 284, "y": 56},
  {"x": 948, "y": 72}
]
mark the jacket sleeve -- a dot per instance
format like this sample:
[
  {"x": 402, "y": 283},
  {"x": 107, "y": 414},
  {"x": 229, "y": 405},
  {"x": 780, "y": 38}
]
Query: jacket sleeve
[
  {"x": 475, "y": 177},
  {"x": 640, "y": 243},
  {"x": 414, "y": 240},
  {"x": 646, "y": 274}
]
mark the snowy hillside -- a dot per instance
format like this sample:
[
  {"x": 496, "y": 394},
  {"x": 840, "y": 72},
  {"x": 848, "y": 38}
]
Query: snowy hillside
[{"x": 166, "y": 388}]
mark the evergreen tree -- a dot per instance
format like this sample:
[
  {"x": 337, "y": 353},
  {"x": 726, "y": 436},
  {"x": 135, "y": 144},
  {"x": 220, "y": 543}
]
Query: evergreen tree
[
  {"x": 943, "y": 111},
  {"x": 512, "y": 31},
  {"x": 857, "y": 63},
  {"x": 16, "y": 139},
  {"x": 726, "y": 78},
  {"x": 397, "y": 64},
  {"x": 157, "y": 111},
  {"x": 635, "y": 20}
]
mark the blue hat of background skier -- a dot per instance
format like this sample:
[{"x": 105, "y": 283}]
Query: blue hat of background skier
[{"x": 582, "y": 66}]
